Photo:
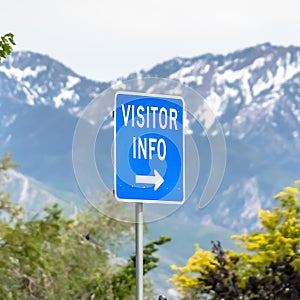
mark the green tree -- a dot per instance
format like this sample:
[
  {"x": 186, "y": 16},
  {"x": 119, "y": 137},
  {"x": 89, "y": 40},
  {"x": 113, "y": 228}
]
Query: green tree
[
  {"x": 269, "y": 268},
  {"x": 122, "y": 280},
  {"x": 6, "y": 44},
  {"x": 54, "y": 257}
]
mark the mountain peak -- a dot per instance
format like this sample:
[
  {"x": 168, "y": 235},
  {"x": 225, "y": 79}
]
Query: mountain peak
[{"x": 37, "y": 79}]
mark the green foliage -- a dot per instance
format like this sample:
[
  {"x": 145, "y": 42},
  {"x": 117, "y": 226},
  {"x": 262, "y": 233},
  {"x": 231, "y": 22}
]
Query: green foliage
[
  {"x": 122, "y": 280},
  {"x": 6, "y": 43},
  {"x": 54, "y": 257},
  {"x": 7, "y": 208},
  {"x": 268, "y": 269}
]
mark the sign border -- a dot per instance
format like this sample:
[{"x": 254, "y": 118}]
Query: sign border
[{"x": 115, "y": 154}]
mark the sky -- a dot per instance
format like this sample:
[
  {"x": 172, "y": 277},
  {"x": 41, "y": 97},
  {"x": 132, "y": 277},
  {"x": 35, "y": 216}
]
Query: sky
[{"x": 106, "y": 39}]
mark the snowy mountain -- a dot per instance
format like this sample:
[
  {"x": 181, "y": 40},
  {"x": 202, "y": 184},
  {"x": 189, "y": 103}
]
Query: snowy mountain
[
  {"x": 255, "y": 92},
  {"x": 37, "y": 79}
]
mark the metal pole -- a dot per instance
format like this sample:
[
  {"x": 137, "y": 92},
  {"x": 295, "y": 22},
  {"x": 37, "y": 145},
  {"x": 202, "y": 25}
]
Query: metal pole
[{"x": 139, "y": 249}]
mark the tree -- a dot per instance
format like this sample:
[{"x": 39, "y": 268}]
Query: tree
[
  {"x": 122, "y": 280},
  {"x": 269, "y": 268},
  {"x": 6, "y": 43},
  {"x": 52, "y": 256}
]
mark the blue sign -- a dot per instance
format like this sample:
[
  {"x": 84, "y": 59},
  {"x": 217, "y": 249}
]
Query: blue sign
[{"x": 149, "y": 148}]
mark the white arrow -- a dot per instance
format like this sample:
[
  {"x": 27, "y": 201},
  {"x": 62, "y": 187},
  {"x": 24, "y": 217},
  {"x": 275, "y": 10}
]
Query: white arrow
[{"x": 157, "y": 180}]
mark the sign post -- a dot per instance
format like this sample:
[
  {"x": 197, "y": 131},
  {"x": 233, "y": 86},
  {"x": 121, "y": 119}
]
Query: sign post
[
  {"x": 139, "y": 257},
  {"x": 148, "y": 157}
]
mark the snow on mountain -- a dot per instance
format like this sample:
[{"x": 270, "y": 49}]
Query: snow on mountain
[
  {"x": 238, "y": 79},
  {"x": 39, "y": 80},
  {"x": 243, "y": 88}
]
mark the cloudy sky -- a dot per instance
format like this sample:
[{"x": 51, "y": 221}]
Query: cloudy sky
[{"x": 105, "y": 39}]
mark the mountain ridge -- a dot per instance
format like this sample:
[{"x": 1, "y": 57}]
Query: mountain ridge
[{"x": 253, "y": 91}]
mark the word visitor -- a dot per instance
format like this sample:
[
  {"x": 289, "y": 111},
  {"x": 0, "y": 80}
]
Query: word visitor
[{"x": 149, "y": 117}]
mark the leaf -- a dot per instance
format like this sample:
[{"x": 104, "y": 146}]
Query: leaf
[{"x": 6, "y": 43}]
